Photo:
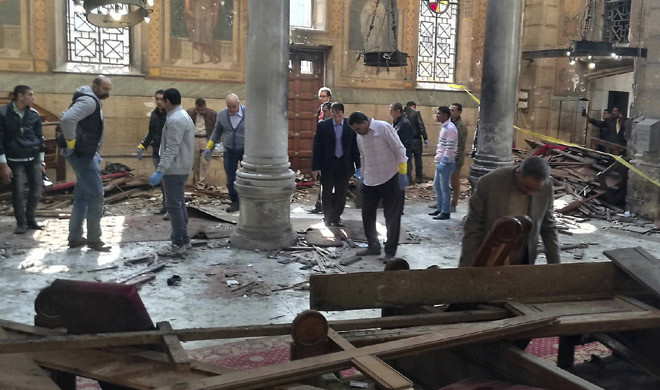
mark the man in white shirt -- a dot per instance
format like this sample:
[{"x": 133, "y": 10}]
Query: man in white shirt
[{"x": 383, "y": 175}]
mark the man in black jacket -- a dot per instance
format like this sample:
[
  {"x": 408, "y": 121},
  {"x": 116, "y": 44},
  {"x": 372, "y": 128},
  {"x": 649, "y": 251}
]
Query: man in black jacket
[
  {"x": 153, "y": 137},
  {"x": 607, "y": 127},
  {"x": 418, "y": 133},
  {"x": 22, "y": 155},
  {"x": 404, "y": 129},
  {"x": 335, "y": 157}
]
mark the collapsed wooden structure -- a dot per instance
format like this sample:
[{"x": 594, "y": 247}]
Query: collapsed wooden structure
[{"x": 495, "y": 308}]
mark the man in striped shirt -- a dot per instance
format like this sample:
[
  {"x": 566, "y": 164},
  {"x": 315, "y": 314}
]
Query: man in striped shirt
[
  {"x": 445, "y": 162},
  {"x": 383, "y": 175}
]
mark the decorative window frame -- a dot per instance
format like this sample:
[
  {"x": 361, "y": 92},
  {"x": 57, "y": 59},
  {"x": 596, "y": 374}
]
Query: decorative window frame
[
  {"x": 63, "y": 65},
  {"x": 319, "y": 12},
  {"x": 428, "y": 24}
]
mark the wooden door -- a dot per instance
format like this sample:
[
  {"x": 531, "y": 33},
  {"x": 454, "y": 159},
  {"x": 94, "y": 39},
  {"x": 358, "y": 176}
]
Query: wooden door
[{"x": 305, "y": 79}]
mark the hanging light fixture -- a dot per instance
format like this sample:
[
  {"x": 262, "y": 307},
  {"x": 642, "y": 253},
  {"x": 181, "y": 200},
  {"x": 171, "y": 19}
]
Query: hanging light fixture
[
  {"x": 384, "y": 53},
  {"x": 116, "y": 13}
]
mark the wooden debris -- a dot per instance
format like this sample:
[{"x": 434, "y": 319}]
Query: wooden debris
[{"x": 350, "y": 260}]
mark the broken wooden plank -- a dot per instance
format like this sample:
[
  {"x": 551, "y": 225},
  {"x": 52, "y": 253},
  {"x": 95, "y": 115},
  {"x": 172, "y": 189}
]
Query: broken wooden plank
[
  {"x": 520, "y": 367},
  {"x": 298, "y": 369},
  {"x": 173, "y": 348},
  {"x": 380, "y": 372},
  {"x": 629, "y": 354},
  {"x": 639, "y": 264},
  {"x": 152, "y": 268},
  {"x": 141, "y": 279},
  {"x": 366, "y": 290},
  {"x": 20, "y": 372},
  {"x": 350, "y": 260}
]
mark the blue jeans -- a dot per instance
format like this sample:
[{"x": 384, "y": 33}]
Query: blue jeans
[
  {"x": 174, "y": 187},
  {"x": 441, "y": 185},
  {"x": 155, "y": 158},
  {"x": 87, "y": 199},
  {"x": 231, "y": 158},
  {"x": 23, "y": 171}
]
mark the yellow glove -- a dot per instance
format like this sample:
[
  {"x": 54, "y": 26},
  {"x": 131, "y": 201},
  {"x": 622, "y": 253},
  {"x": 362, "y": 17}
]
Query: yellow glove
[
  {"x": 402, "y": 168},
  {"x": 210, "y": 145},
  {"x": 71, "y": 144},
  {"x": 140, "y": 147}
]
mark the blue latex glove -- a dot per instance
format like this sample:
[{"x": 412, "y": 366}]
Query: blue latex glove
[
  {"x": 66, "y": 152},
  {"x": 358, "y": 174},
  {"x": 403, "y": 181},
  {"x": 155, "y": 178},
  {"x": 139, "y": 153},
  {"x": 207, "y": 154},
  {"x": 97, "y": 159},
  {"x": 426, "y": 143},
  {"x": 444, "y": 160}
]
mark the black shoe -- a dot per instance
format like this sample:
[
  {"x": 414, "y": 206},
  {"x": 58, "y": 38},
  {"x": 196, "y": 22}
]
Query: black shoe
[
  {"x": 386, "y": 258},
  {"x": 368, "y": 252},
  {"x": 99, "y": 246},
  {"x": 161, "y": 211},
  {"x": 166, "y": 216},
  {"x": 78, "y": 243},
  {"x": 233, "y": 207},
  {"x": 20, "y": 229},
  {"x": 338, "y": 223},
  {"x": 434, "y": 213},
  {"x": 315, "y": 210},
  {"x": 433, "y": 206},
  {"x": 34, "y": 226},
  {"x": 442, "y": 216}
]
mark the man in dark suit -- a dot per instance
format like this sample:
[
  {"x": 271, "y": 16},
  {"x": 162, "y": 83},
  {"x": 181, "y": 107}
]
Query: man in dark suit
[
  {"x": 335, "y": 157},
  {"x": 418, "y": 134},
  {"x": 404, "y": 129}
]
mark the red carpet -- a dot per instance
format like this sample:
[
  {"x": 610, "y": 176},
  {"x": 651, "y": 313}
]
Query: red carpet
[{"x": 266, "y": 351}]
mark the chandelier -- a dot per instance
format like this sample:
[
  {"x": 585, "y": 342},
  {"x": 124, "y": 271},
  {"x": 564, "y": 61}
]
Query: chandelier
[{"x": 117, "y": 13}]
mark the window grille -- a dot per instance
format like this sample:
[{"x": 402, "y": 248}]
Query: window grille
[
  {"x": 436, "y": 54},
  {"x": 617, "y": 21}
]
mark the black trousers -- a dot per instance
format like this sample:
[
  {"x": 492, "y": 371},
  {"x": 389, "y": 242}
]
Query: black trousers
[
  {"x": 334, "y": 186},
  {"x": 392, "y": 199},
  {"x": 416, "y": 148}
]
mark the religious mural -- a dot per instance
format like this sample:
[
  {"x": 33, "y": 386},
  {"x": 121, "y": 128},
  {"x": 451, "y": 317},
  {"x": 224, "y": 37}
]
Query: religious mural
[
  {"x": 10, "y": 28},
  {"x": 201, "y": 32}
]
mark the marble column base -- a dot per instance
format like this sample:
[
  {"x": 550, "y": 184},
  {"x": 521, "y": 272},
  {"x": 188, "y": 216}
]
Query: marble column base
[
  {"x": 484, "y": 164},
  {"x": 265, "y": 204}
]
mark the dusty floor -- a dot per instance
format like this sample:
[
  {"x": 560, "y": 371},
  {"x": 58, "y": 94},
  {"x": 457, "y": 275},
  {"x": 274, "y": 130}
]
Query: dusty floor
[{"x": 271, "y": 285}]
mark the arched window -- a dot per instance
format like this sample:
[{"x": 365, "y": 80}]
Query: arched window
[{"x": 436, "y": 55}]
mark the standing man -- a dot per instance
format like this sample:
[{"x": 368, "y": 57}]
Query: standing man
[
  {"x": 327, "y": 114},
  {"x": 456, "y": 109},
  {"x": 230, "y": 126},
  {"x": 153, "y": 137},
  {"x": 204, "y": 120},
  {"x": 22, "y": 155},
  {"x": 335, "y": 157},
  {"x": 82, "y": 127},
  {"x": 608, "y": 127},
  {"x": 176, "y": 161},
  {"x": 384, "y": 177},
  {"x": 324, "y": 96},
  {"x": 418, "y": 134},
  {"x": 445, "y": 163},
  {"x": 404, "y": 130},
  {"x": 513, "y": 191}
]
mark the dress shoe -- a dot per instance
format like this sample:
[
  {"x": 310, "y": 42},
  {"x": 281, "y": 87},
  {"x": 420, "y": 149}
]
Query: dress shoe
[
  {"x": 368, "y": 252},
  {"x": 99, "y": 246},
  {"x": 338, "y": 223},
  {"x": 442, "y": 216},
  {"x": 387, "y": 258},
  {"x": 434, "y": 213},
  {"x": 433, "y": 206},
  {"x": 78, "y": 243},
  {"x": 166, "y": 216},
  {"x": 161, "y": 211},
  {"x": 20, "y": 229},
  {"x": 34, "y": 226},
  {"x": 233, "y": 207},
  {"x": 315, "y": 210}
]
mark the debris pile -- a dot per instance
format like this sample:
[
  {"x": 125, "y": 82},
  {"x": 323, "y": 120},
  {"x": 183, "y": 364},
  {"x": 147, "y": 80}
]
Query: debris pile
[{"x": 585, "y": 182}]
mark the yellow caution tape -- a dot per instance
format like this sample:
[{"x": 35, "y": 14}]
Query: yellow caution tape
[{"x": 618, "y": 159}]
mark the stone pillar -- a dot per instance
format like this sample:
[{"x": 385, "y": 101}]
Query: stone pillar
[
  {"x": 264, "y": 182},
  {"x": 498, "y": 87}
]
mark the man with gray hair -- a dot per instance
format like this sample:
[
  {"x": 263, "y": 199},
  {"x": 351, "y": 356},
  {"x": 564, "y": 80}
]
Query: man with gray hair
[{"x": 513, "y": 191}]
